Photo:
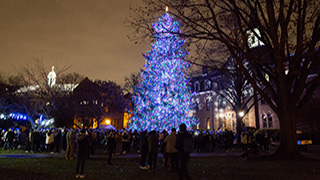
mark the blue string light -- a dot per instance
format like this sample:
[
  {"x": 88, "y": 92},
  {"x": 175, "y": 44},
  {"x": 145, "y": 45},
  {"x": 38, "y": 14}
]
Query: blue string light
[
  {"x": 18, "y": 116},
  {"x": 163, "y": 98}
]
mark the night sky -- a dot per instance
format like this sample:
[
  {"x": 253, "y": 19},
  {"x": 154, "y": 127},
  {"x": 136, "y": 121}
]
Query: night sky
[{"x": 89, "y": 34}]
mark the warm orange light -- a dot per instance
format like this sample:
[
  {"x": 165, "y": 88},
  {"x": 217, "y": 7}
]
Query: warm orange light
[
  {"x": 126, "y": 119},
  {"x": 108, "y": 122}
]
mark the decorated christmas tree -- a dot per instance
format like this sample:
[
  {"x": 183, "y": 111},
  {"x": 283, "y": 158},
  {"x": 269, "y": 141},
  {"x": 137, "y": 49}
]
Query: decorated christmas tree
[{"x": 163, "y": 98}]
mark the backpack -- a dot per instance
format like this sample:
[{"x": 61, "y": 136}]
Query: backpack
[{"x": 188, "y": 144}]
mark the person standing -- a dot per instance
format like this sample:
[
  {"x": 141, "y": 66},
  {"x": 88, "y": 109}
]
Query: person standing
[
  {"x": 265, "y": 142},
  {"x": 118, "y": 138},
  {"x": 125, "y": 142},
  {"x": 10, "y": 139},
  {"x": 244, "y": 143},
  {"x": 183, "y": 154},
  {"x": 50, "y": 141},
  {"x": 35, "y": 141},
  {"x": 171, "y": 150},
  {"x": 162, "y": 136},
  {"x": 57, "y": 140},
  {"x": 64, "y": 140},
  {"x": 83, "y": 149},
  {"x": 71, "y": 139},
  {"x": 29, "y": 140},
  {"x": 144, "y": 147},
  {"x": 153, "y": 150},
  {"x": 111, "y": 145}
]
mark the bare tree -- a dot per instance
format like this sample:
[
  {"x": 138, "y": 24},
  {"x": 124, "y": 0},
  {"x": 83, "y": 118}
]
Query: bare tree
[
  {"x": 236, "y": 90},
  {"x": 289, "y": 32},
  {"x": 98, "y": 100},
  {"x": 35, "y": 96},
  {"x": 131, "y": 82}
]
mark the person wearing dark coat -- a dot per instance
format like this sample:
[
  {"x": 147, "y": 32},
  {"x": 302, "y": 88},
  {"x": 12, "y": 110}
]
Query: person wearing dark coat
[
  {"x": 57, "y": 140},
  {"x": 10, "y": 138},
  {"x": 35, "y": 141},
  {"x": 71, "y": 141},
  {"x": 29, "y": 140},
  {"x": 153, "y": 150},
  {"x": 111, "y": 145},
  {"x": 144, "y": 147},
  {"x": 64, "y": 140},
  {"x": 183, "y": 156},
  {"x": 83, "y": 149}
]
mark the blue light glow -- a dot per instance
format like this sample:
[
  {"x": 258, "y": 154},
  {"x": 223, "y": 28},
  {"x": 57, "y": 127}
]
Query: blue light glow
[
  {"x": 18, "y": 116},
  {"x": 163, "y": 97}
]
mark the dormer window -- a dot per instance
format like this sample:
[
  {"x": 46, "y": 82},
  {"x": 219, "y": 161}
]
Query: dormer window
[
  {"x": 197, "y": 86},
  {"x": 207, "y": 84},
  {"x": 253, "y": 40},
  {"x": 215, "y": 85}
]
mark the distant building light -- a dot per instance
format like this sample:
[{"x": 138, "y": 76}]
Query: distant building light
[
  {"x": 286, "y": 71},
  {"x": 267, "y": 77},
  {"x": 241, "y": 113}
]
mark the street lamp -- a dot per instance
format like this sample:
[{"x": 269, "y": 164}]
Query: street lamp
[{"x": 241, "y": 113}]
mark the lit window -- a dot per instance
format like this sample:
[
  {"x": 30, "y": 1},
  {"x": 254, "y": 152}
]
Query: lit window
[
  {"x": 215, "y": 85},
  {"x": 267, "y": 77},
  {"x": 208, "y": 104},
  {"x": 221, "y": 102},
  {"x": 197, "y": 86},
  {"x": 207, "y": 84},
  {"x": 264, "y": 120},
  {"x": 253, "y": 40},
  {"x": 270, "y": 124}
]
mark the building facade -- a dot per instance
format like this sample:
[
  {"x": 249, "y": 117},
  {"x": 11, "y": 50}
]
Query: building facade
[{"x": 214, "y": 111}]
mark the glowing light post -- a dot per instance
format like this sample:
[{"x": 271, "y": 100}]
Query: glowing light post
[
  {"x": 2, "y": 116},
  {"x": 241, "y": 114},
  {"x": 163, "y": 97}
]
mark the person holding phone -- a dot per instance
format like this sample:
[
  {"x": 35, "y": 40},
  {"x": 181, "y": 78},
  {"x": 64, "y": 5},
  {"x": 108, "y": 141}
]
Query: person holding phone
[{"x": 83, "y": 147}]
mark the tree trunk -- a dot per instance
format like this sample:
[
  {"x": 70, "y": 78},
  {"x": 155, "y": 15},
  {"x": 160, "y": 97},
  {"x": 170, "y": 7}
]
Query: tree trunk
[
  {"x": 288, "y": 148},
  {"x": 256, "y": 109},
  {"x": 239, "y": 128}
]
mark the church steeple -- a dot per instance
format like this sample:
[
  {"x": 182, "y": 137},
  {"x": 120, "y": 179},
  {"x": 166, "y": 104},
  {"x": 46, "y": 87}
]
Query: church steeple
[{"x": 52, "y": 77}]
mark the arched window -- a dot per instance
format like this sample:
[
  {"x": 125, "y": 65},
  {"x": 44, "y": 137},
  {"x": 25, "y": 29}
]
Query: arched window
[
  {"x": 270, "y": 124},
  {"x": 196, "y": 104},
  {"x": 197, "y": 86},
  {"x": 264, "y": 120},
  {"x": 208, "y": 104},
  {"x": 215, "y": 85},
  {"x": 207, "y": 84},
  {"x": 208, "y": 123},
  {"x": 221, "y": 102}
]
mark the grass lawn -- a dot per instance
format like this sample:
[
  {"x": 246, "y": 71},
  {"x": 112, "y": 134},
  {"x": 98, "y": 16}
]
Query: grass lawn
[{"x": 217, "y": 168}]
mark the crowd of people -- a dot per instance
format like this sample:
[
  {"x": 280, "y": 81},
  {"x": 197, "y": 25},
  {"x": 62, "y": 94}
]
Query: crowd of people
[{"x": 174, "y": 146}]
